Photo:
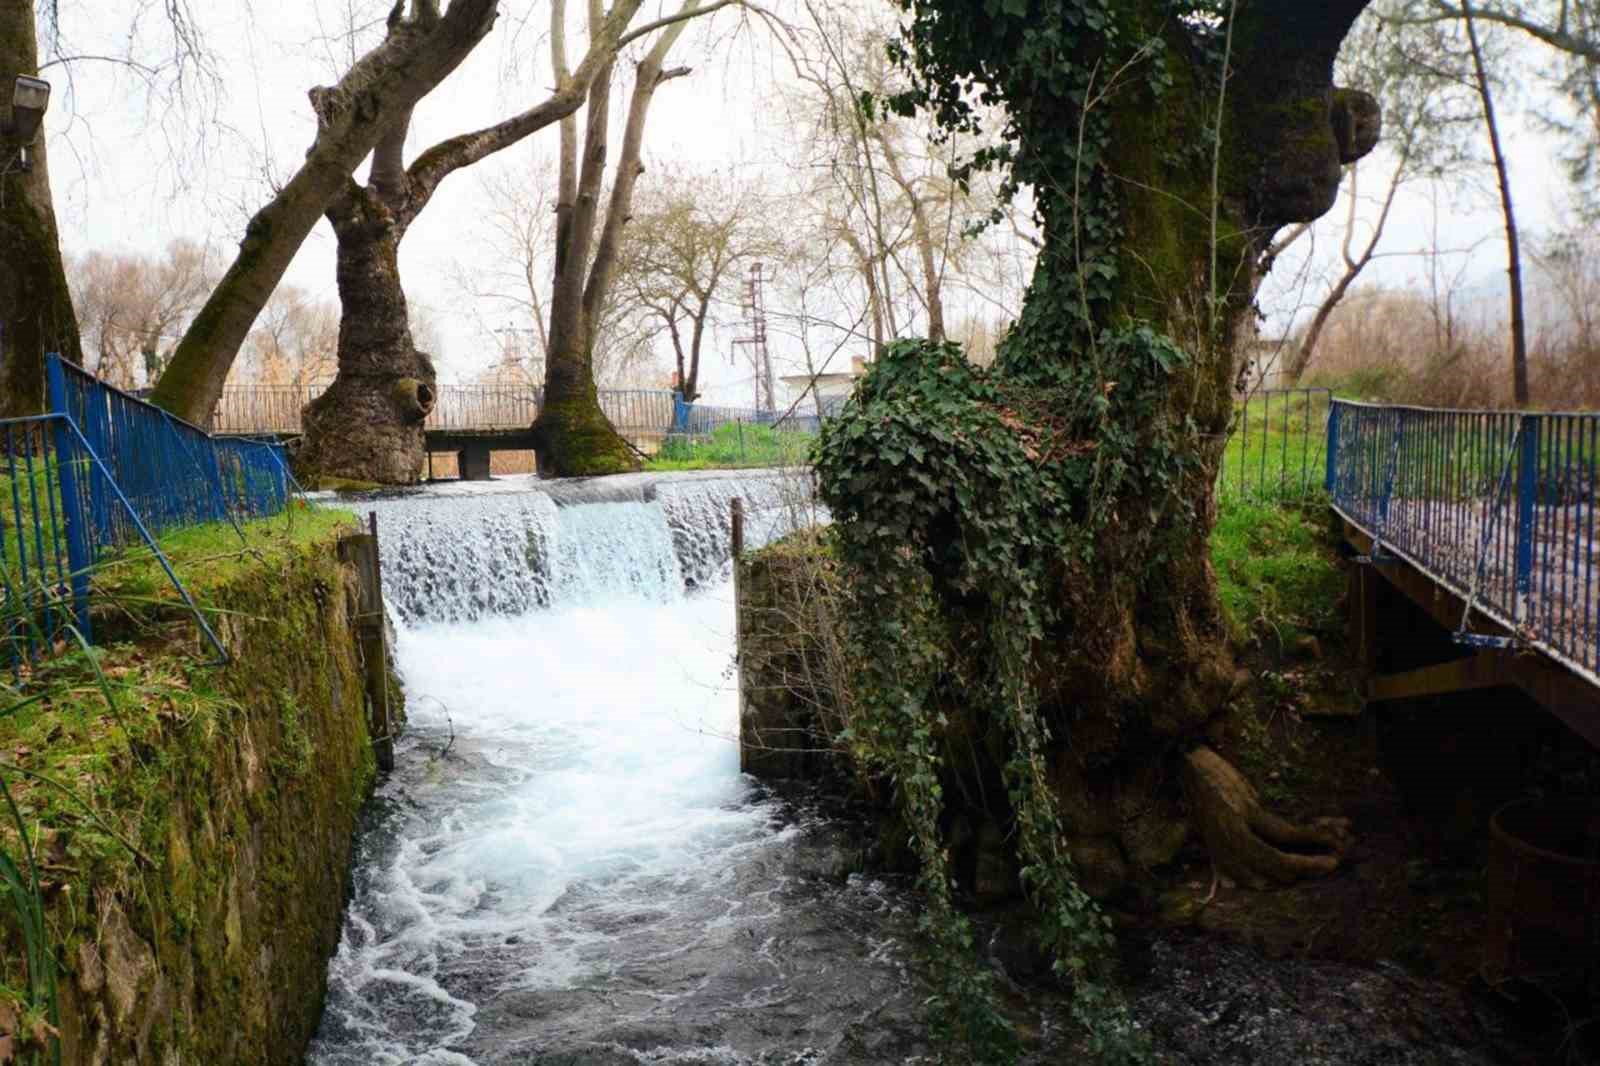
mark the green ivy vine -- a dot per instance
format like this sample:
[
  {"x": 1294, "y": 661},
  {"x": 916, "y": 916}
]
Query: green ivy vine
[{"x": 964, "y": 497}]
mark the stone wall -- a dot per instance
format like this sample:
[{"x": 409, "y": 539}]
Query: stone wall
[{"x": 214, "y": 950}]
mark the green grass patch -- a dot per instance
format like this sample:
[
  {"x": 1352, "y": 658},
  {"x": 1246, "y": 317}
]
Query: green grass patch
[
  {"x": 1278, "y": 449},
  {"x": 209, "y": 556},
  {"x": 101, "y": 746},
  {"x": 734, "y": 445},
  {"x": 1277, "y": 573}
]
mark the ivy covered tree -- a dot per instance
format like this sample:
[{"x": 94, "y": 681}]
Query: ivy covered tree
[{"x": 1028, "y": 543}]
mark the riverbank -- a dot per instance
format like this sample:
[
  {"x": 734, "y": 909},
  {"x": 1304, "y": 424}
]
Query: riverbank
[
  {"x": 181, "y": 831},
  {"x": 1376, "y": 963}
]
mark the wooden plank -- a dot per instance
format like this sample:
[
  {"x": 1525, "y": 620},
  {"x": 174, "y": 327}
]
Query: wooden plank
[
  {"x": 1486, "y": 669},
  {"x": 1570, "y": 698},
  {"x": 1561, "y": 692}
]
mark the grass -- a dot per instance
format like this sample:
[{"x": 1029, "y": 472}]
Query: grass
[
  {"x": 1277, "y": 574},
  {"x": 733, "y": 445},
  {"x": 208, "y": 556},
  {"x": 28, "y": 498},
  {"x": 1278, "y": 449}
]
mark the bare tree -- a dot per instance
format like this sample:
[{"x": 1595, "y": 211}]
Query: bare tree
[
  {"x": 1568, "y": 26},
  {"x": 374, "y": 97},
  {"x": 1519, "y": 329},
  {"x": 901, "y": 225},
  {"x": 132, "y": 308},
  {"x": 572, "y": 435},
  {"x": 368, "y": 425},
  {"x": 164, "y": 52},
  {"x": 509, "y": 289},
  {"x": 295, "y": 341},
  {"x": 685, "y": 245},
  {"x": 1425, "y": 115}
]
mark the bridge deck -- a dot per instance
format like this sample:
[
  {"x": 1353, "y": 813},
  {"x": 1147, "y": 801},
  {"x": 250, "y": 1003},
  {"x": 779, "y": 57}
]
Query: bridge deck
[{"x": 1497, "y": 511}]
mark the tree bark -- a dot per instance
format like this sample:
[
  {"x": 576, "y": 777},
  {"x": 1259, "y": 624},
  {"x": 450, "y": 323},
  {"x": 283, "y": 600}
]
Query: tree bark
[
  {"x": 572, "y": 436},
  {"x": 1519, "y": 330},
  {"x": 36, "y": 315},
  {"x": 368, "y": 426},
  {"x": 352, "y": 116},
  {"x": 1133, "y": 669}
]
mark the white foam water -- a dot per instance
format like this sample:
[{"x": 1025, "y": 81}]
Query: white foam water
[
  {"x": 593, "y": 779},
  {"x": 567, "y": 817},
  {"x": 503, "y": 549}
]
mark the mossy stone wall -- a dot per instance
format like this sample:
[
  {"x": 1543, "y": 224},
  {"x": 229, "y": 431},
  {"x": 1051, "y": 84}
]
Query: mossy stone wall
[{"x": 216, "y": 951}]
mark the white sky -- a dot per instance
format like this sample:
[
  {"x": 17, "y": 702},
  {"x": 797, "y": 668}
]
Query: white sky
[{"x": 128, "y": 173}]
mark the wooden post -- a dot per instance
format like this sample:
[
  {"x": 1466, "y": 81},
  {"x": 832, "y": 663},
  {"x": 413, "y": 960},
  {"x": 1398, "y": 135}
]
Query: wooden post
[
  {"x": 361, "y": 551},
  {"x": 738, "y": 620},
  {"x": 1363, "y": 597}
]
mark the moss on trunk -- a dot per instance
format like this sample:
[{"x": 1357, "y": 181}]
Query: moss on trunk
[
  {"x": 369, "y": 426},
  {"x": 573, "y": 438}
]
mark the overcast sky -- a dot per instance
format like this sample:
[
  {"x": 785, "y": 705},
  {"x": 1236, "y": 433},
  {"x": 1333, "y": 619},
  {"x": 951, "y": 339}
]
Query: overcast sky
[{"x": 131, "y": 172}]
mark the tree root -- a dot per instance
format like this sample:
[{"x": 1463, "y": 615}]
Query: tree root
[{"x": 1246, "y": 840}]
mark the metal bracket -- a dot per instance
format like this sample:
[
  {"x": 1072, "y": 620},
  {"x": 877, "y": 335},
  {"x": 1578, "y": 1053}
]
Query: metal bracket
[{"x": 1483, "y": 640}]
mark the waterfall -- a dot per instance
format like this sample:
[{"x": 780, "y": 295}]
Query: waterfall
[
  {"x": 566, "y": 864},
  {"x": 508, "y": 548}
]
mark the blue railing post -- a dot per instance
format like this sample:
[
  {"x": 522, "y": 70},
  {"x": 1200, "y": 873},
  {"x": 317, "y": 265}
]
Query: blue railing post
[
  {"x": 80, "y": 557},
  {"x": 1332, "y": 460},
  {"x": 1527, "y": 495}
]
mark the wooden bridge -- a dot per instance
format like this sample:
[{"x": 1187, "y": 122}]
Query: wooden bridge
[
  {"x": 1484, "y": 522},
  {"x": 470, "y": 420}
]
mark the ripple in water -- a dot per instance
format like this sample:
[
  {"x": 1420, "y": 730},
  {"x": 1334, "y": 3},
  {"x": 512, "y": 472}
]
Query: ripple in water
[{"x": 566, "y": 865}]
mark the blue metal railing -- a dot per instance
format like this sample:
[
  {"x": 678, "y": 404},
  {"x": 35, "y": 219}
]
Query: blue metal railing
[
  {"x": 1498, "y": 506},
  {"x": 101, "y": 473},
  {"x": 173, "y": 473},
  {"x": 1276, "y": 449}
]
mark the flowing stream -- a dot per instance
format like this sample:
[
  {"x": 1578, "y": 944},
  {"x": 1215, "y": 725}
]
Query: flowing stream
[{"x": 566, "y": 865}]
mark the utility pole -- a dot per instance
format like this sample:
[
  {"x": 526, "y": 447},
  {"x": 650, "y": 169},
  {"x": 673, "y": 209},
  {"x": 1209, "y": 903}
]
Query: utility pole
[{"x": 755, "y": 317}]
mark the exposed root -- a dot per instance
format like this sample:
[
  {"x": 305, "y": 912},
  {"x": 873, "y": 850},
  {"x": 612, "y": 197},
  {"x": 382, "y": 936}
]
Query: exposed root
[{"x": 1246, "y": 840}]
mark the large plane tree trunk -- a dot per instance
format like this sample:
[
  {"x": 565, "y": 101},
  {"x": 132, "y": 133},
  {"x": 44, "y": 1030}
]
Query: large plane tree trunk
[
  {"x": 368, "y": 426},
  {"x": 572, "y": 436},
  {"x": 36, "y": 315},
  {"x": 416, "y": 55},
  {"x": 1059, "y": 507}
]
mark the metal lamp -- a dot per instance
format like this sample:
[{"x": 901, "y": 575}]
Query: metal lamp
[{"x": 29, "y": 98}]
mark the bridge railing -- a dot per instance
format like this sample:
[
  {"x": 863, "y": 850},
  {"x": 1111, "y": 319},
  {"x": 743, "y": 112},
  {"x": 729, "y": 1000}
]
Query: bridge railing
[
  {"x": 1499, "y": 506},
  {"x": 275, "y": 409},
  {"x": 1277, "y": 449}
]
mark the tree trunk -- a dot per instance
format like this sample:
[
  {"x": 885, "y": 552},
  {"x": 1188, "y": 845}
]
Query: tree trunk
[
  {"x": 416, "y": 55},
  {"x": 368, "y": 427},
  {"x": 36, "y": 315},
  {"x": 1132, "y": 668},
  {"x": 572, "y": 436},
  {"x": 1519, "y": 331}
]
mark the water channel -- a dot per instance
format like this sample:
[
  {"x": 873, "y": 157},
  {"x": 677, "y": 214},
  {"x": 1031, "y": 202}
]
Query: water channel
[{"x": 566, "y": 866}]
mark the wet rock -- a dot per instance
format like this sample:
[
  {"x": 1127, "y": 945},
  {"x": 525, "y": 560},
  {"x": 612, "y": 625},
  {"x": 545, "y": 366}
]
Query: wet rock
[{"x": 1209, "y": 1001}]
